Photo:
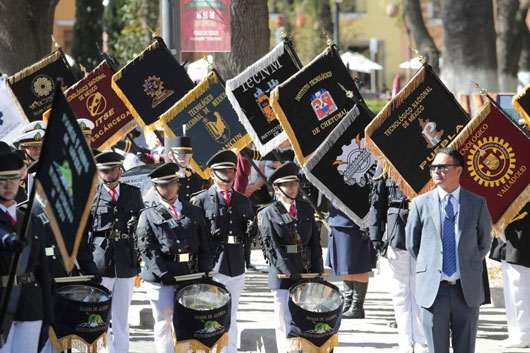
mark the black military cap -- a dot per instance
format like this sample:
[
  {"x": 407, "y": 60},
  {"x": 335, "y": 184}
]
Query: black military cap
[
  {"x": 181, "y": 144},
  {"x": 225, "y": 159},
  {"x": 4, "y": 147},
  {"x": 10, "y": 164},
  {"x": 166, "y": 173},
  {"x": 108, "y": 159},
  {"x": 285, "y": 173}
]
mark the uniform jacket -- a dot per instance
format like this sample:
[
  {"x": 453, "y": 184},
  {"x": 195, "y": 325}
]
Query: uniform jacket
[
  {"x": 35, "y": 298},
  {"x": 275, "y": 235},
  {"x": 114, "y": 258},
  {"x": 221, "y": 221},
  {"x": 189, "y": 185},
  {"x": 157, "y": 241},
  {"x": 388, "y": 213},
  {"x": 424, "y": 243}
]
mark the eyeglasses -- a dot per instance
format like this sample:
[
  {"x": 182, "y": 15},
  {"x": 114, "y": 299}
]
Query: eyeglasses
[
  {"x": 3, "y": 182},
  {"x": 441, "y": 167}
]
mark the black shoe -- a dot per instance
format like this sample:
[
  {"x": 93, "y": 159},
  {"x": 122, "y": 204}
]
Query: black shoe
[
  {"x": 356, "y": 311},
  {"x": 392, "y": 324},
  {"x": 347, "y": 293},
  {"x": 251, "y": 267}
]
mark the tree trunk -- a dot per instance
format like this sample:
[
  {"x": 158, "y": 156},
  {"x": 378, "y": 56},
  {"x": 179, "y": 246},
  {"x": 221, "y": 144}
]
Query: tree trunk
[
  {"x": 524, "y": 60},
  {"x": 424, "y": 42},
  {"x": 25, "y": 32},
  {"x": 468, "y": 46},
  {"x": 250, "y": 34},
  {"x": 510, "y": 28}
]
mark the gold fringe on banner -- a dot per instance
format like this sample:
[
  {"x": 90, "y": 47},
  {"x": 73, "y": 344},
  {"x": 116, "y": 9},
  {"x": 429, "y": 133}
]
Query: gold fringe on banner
[
  {"x": 118, "y": 75},
  {"x": 75, "y": 342},
  {"x": 303, "y": 345},
  {"x": 195, "y": 346},
  {"x": 52, "y": 57},
  {"x": 388, "y": 167},
  {"x": 518, "y": 107},
  {"x": 512, "y": 210},
  {"x": 120, "y": 134}
]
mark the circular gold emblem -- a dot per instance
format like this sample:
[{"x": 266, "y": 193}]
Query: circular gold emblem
[
  {"x": 42, "y": 86},
  {"x": 491, "y": 161}
]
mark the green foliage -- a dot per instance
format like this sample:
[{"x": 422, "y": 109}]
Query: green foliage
[
  {"x": 113, "y": 24},
  {"x": 87, "y": 32},
  {"x": 134, "y": 21},
  {"x": 376, "y": 105}
]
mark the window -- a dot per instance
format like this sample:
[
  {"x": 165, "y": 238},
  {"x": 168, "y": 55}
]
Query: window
[{"x": 68, "y": 40}]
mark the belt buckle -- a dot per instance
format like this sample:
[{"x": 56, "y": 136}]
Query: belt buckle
[
  {"x": 231, "y": 239},
  {"x": 184, "y": 257},
  {"x": 291, "y": 249},
  {"x": 49, "y": 251},
  {"x": 124, "y": 236},
  {"x": 452, "y": 283}
]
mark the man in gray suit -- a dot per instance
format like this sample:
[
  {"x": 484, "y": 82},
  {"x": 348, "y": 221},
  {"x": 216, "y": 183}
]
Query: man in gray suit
[{"x": 448, "y": 234}]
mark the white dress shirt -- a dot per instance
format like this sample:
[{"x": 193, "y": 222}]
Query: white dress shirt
[
  {"x": 455, "y": 202},
  {"x": 177, "y": 204},
  {"x": 117, "y": 188}
]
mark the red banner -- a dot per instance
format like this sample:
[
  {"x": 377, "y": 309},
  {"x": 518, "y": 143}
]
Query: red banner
[
  {"x": 93, "y": 98},
  {"x": 205, "y": 25},
  {"x": 497, "y": 163}
]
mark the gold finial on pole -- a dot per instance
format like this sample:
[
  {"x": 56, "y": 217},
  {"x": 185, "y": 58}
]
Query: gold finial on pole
[
  {"x": 83, "y": 69},
  {"x": 482, "y": 91},
  {"x": 210, "y": 65},
  {"x": 422, "y": 58},
  {"x": 329, "y": 41},
  {"x": 283, "y": 35},
  {"x": 57, "y": 46}
]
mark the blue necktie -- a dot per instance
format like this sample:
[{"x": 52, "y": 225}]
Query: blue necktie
[{"x": 449, "y": 241}]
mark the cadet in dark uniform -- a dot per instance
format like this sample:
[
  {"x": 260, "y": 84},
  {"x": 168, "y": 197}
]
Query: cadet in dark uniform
[
  {"x": 350, "y": 256},
  {"x": 389, "y": 209},
  {"x": 514, "y": 253},
  {"x": 227, "y": 214},
  {"x": 173, "y": 241},
  {"x": 86, "y": 126},
  {"x": 291, "y": 242},
  {"x": 111, "y": 225},
  {"x": 190, "y": 182},
  {"x": 33, "y": 287},
  {"x": 30, "y": 140}
]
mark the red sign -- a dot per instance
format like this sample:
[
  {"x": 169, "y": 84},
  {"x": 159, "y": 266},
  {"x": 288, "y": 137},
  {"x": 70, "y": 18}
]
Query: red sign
[{"x": 205, "y": 25}]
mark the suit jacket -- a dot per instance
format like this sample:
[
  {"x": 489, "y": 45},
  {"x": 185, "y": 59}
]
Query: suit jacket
[
  {"x": 275, "y": 235},
  {"x": 34, "y": 298},
  {"x": 424, "y": 242},
  {"x": 157, "y": 241},
  {"x": 221, "y": 221},
  {"x": 114, "y": 258},
  {"x": 189, "y": 185}
]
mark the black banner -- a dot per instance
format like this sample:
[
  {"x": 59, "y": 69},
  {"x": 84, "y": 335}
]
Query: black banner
[
  {"x": 249, "y": 93},
  {"x": 81, "y": 313},
  {"x": 197, "y": 329},
  {"x": 423, "y": 117},
  {"x": 66, "y": 178},
  {"x": 521, "y": 102},
  {"x": 311, "y": 103},
  {"x": 34, "y": 86},
  {"x": 342, "y": 168},
  {"x": 210, "y": 121},
  {"x": 151, "y": 83}
]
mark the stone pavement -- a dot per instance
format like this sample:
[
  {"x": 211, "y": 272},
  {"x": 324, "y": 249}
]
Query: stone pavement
[{"x": 256, "y": 319}]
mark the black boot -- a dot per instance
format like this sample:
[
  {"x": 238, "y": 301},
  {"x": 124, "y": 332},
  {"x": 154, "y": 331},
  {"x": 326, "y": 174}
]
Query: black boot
[
  {"x": 357, "y": 308},
  {"x": 348, "y": 293}
]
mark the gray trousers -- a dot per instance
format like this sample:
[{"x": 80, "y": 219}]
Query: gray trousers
[{"x": 450, "y": 314}]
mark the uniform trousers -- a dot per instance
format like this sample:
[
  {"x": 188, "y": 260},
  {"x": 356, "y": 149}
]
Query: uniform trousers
[
  {"x": 162, "y": 300},
  {"x": 23, "y": 337},
  {"x": 122, "y": 291},
  {"x": 516, "y": 280},
  {"x": 282, "y": 316},
  {"x": 235, "y": 286},
  {"x": 402, "y": 290}
]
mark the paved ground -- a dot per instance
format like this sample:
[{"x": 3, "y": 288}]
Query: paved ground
[{"x": 256, "y": 319}]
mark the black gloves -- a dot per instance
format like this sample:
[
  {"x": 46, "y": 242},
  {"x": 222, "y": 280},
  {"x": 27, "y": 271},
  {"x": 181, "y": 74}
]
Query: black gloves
[
  {"x": 377, "y": 245},
  {"x": 13, "y": 242},
  {"x": 296, "y": 277},
  {"x": 167, "y": 279},
  {"x": 97, "y": 278}
]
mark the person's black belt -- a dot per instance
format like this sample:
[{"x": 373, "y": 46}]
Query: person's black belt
[
  {"x": 115, "y": 234},
  {"x": 293, "y": 249},
  {"x": 233, "y": 239},
  {"x": 403, "y": 205},
  {"x": 451, "y": 283},
  {"x": 25, "y": 278},
  {"x": 183, "y": 257}
]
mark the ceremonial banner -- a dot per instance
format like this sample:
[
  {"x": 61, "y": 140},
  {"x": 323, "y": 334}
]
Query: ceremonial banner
[
  {"x": 34, "y": 86},
  {"x": 205, "y": 25},
  {"x": 342, "y": 168},
  {"x": 249, "y": 94},
  {"x": 423, "y": 117},
  {"x": 138, "y": 176},
  {"x": 11, "y": 117},
  {"x": 521, "y": 102},
  {"x": 66, "y": 178},
  {"x": 151, "y": 84},
  {"x": 497, "y": 162},
  {"x": 311, "y": 103},
  {"x": 93, "y": 98},
  {"x": 210, "y": 120}
]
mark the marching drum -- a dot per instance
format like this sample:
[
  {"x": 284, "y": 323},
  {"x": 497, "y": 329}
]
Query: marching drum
[
  {"x": 201, "y": 317},
  {"x": 316, "y": 310},
  {"x": 81, "y": 312}
]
